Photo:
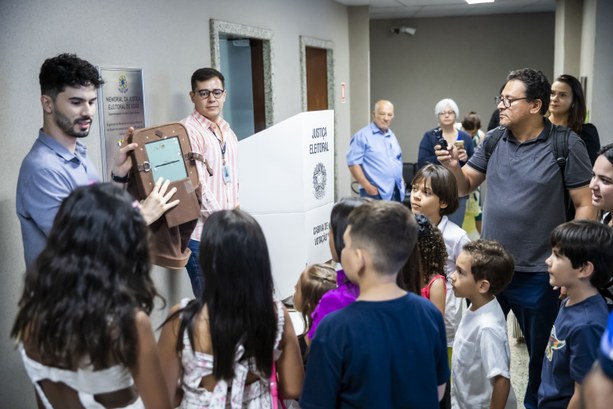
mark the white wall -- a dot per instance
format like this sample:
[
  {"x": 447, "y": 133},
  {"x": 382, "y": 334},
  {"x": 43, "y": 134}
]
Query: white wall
[
  {"x": 466, "y": 59},
  {"x": 600, "y": 88},
  {"x": 168, "y": 40}
]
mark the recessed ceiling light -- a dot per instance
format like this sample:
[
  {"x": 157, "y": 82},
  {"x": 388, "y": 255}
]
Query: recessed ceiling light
[{"x": 479, "y": 1}]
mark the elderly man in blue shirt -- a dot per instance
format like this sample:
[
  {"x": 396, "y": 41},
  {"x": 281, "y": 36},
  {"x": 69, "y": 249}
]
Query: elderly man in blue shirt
[{"x": 375, "y": 157}]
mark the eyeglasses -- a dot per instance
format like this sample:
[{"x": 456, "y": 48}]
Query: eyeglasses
[
  {"x": 446, "y": 113},
  {"x": 205, "y": 93},
  {"x": 506, "y": 102}
]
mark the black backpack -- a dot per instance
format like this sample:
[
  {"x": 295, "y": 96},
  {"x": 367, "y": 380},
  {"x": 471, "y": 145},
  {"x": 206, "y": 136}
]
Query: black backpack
[{"x": 559, "y": 150}]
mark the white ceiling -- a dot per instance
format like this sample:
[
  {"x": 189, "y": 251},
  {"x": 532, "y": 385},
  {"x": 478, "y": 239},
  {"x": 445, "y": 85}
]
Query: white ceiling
[{"x": 384, "y": 9}]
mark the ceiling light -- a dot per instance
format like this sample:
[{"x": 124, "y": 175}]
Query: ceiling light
[{"x": 479, "y": 1}]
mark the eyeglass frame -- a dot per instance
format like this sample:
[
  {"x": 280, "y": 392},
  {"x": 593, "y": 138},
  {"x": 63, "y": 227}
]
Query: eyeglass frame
[
  {"x": 507, "y": 102},
  {"x": 206, "y": 93},
  {"x": 443, "y": 113}
]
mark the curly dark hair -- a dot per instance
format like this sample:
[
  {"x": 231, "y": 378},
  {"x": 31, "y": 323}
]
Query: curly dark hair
[
  {"x": 427, "y": 258},
  {"x": 82, "y": 293},
  {"x": 536, "y": 84},
  {"x": 67, "y": 70}
]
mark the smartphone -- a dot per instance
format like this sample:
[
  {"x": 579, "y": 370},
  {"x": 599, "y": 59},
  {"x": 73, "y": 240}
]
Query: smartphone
[
  {"x": 438, "y": 134},
  {"x": 459, "y": 144}
]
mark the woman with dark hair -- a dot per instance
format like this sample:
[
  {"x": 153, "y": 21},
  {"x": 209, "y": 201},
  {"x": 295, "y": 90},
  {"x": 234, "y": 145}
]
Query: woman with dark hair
[
  {"x": 83, "y": 324},
  {"x": 567, "y": 107},
  {"x": 602, "y": 199},
  {"x": 220, "y": 349},
  {"x": 602, "y": 183}
]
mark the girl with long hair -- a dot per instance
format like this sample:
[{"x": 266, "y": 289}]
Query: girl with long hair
[
  {"x": 345, "y": 292},
  {"x": 424, "y": 271},
  {"x": 218, "y": 350},
  {"x": 83, "y": 324}
]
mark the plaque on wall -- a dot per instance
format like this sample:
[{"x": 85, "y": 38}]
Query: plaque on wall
[{"x": 121, "y": 105}]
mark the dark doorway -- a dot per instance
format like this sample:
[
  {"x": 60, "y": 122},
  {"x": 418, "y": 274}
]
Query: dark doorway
[{"x": 316, "y": 78}]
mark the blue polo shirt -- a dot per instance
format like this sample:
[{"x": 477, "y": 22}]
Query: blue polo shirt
[
  {"x": 47, "y": 175},
  {"x": 380, "y": 156}
]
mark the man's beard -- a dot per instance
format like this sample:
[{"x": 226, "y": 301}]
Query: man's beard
[{"x": 65, "y": 125}]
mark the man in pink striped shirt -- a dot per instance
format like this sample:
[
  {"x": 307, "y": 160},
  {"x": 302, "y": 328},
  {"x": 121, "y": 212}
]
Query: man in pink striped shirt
[{"x": 212, "y": 137}]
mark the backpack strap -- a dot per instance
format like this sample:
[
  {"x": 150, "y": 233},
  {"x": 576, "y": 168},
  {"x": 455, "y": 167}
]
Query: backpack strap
[
  {"x": 490, "y": 142},
  {"x": 558, "y": 141},
  {"x": 559, "y": 145}
]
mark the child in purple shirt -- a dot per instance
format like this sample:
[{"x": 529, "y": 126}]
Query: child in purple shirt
[{"x": 346, "y": 292}]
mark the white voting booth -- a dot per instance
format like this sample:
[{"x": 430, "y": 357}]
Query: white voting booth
[{"x": 287, "y": 183}]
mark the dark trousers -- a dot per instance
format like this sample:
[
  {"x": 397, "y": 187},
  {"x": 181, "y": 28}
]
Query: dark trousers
[
  {"x": 535, "y": 305},
  {"x": 193, "y": 268}
]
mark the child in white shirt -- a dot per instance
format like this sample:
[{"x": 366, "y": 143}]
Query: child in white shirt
[{"x": 481, "y": 355}]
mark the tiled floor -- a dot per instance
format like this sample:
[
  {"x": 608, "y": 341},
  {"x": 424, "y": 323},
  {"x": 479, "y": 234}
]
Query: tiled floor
[{"x": 519, "y": 364}]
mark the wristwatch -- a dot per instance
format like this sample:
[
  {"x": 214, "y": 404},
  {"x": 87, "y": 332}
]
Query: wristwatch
[{"x": 119, "y": 179}]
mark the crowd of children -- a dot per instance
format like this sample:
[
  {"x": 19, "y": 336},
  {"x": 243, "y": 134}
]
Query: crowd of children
[{"x": 388, "y": 329}]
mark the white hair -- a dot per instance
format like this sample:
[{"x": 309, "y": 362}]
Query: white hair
[{"x": 444, "y": 103}]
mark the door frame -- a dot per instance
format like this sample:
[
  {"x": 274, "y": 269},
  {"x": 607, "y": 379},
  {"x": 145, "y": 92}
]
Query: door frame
[
  {"x": 305, "y": 42},
  {"x": 219, "y": 28}
]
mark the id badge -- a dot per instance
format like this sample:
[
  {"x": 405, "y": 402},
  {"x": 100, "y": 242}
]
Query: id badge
[{"x": 227, "y": 174}]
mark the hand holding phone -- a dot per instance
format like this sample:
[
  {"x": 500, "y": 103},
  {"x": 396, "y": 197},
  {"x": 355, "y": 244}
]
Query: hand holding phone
[{"x": 438, "y": 134}]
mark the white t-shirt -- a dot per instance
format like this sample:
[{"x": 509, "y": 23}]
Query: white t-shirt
[
  {"x": 480, "y": 352},
  {"x": 455, "y": 238}
]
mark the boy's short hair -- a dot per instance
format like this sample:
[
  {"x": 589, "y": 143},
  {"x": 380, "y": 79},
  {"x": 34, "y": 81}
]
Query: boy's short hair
[
  {"x": 586, "y": 240},
  {"x": 491, "y": 262},
  {"x": 387, "y": 231},
  {"x": 67, "y": 70},
  {"x": 443, "y": 185}
]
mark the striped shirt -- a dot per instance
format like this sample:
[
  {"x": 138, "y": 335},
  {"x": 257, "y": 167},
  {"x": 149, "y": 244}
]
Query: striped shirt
[{"x": 216, "y": 193}]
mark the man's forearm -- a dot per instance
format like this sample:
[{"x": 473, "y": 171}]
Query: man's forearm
[
  {"x": 464, "y": 187},
  {"x": 358, "y": 174}
]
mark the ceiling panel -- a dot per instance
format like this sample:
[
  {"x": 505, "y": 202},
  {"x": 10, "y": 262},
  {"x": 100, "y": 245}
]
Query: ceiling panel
[{"x": 383, "y": 9}]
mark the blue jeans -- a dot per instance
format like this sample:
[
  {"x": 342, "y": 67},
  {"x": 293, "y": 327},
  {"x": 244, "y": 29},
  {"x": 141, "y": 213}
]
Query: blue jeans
[
  {"x": 193, "y": 268},
  {"x": 536, "y": 305}
]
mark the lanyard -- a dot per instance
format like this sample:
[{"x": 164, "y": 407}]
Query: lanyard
[{"x": 223, "y": 146}]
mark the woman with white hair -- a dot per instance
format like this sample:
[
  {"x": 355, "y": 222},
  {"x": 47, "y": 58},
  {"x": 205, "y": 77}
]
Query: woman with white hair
[{"x": 446, "y": 113}]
